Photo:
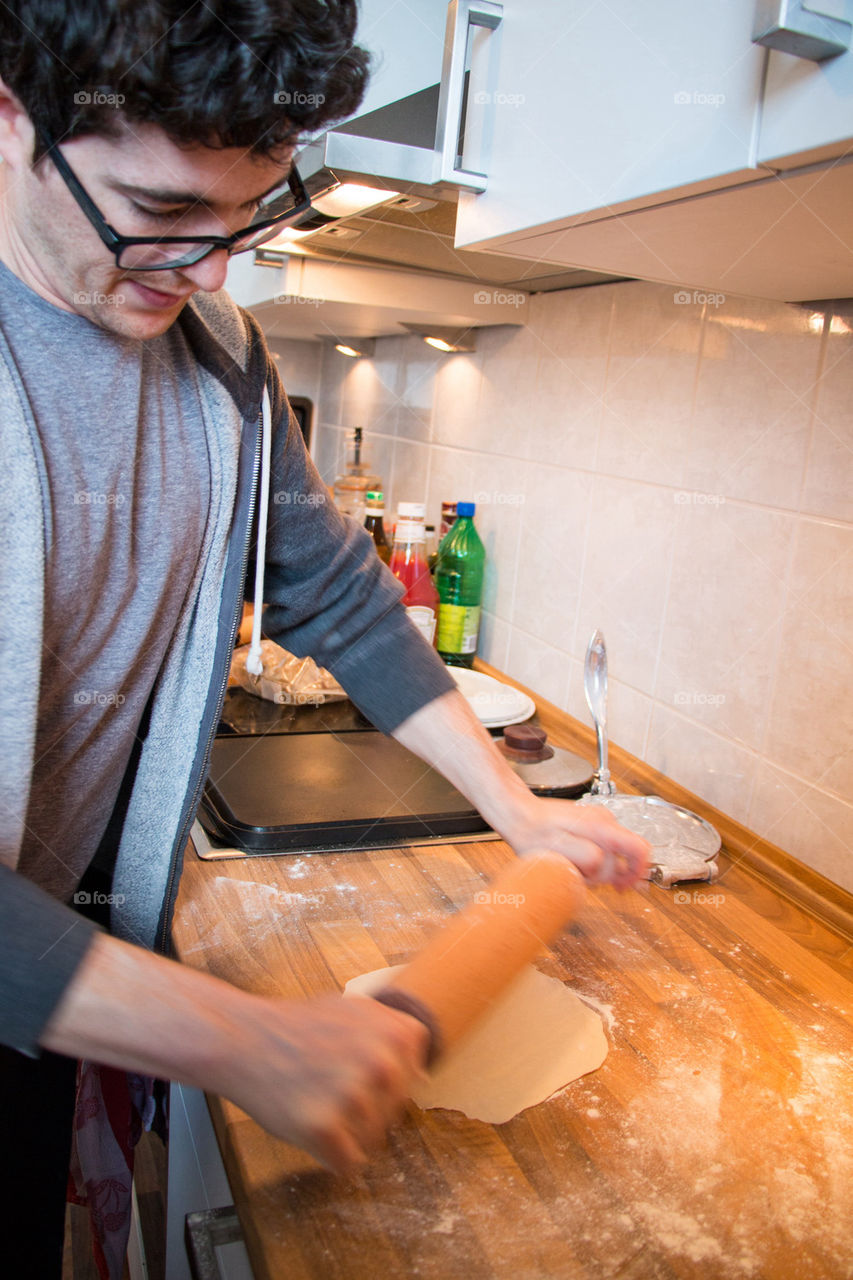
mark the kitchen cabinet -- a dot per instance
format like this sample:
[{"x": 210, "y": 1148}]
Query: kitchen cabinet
[
  {"x": 807, "y": 111},
  {"x": 596, "y": 105},
  {"x": 645, "y": 140},
  {"x": 406, "y": 43}
]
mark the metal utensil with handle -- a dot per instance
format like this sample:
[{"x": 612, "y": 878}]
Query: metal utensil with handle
[
  {"x": 595, "y": 690},
  {"x": 684, "y": 846}
]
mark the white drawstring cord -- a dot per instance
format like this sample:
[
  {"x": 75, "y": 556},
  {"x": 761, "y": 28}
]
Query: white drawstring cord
[{"x": 254, "y": 661}]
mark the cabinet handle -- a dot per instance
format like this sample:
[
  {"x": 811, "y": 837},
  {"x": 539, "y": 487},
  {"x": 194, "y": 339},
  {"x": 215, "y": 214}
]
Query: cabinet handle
[
  {"x": 797, "y": 27},
  {"x": 461, "y": 16}
]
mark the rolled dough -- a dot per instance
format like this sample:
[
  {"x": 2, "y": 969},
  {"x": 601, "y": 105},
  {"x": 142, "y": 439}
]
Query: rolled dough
[{"x": 538, "y": 1037}]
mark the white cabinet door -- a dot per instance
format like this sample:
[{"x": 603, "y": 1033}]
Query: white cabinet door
[
  {"x": 406, "y": 41},
  {"x": 808, "y": 110},
  {"x": 597, "y": 104}
]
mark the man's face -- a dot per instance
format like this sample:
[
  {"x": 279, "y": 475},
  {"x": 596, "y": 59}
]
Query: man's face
[{"x": 144, "y": 185}]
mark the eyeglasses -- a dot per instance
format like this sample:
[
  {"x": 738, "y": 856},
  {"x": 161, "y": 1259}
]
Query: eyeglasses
[{"x": 283, "y": 206}]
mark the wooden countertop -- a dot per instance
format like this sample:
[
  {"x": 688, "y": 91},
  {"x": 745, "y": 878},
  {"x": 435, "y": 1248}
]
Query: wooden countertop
[{"x": 715, "y": 1141}]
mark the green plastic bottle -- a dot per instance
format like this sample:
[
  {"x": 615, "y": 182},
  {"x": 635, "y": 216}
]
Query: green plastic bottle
[{"x": 459, "y": 578}]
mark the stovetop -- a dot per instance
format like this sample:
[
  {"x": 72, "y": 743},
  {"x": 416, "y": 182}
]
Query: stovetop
[{"x": 299, "y": 779}]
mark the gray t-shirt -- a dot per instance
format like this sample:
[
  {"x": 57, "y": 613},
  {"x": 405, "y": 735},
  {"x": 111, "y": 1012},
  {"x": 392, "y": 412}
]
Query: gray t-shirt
[{"x": 128, "y": 484}]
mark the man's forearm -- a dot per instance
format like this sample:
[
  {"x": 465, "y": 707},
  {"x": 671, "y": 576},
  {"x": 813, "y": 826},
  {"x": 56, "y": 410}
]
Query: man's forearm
[
  {"x": 328, "y": 1074},
  {"x": 130, "y": 1008},
  {"x": 447, "y": 734}
]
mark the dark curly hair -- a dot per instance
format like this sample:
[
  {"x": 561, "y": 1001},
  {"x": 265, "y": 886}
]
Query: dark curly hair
[{"x": 257, "y": 74}]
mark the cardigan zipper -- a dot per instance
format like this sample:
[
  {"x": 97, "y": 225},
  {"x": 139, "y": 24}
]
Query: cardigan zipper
[{"x": 171, "y": 891}]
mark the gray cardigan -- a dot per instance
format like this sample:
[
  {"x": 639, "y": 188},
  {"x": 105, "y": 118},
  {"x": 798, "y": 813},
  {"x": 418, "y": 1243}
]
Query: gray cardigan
[{"x": 327, "y": 594}]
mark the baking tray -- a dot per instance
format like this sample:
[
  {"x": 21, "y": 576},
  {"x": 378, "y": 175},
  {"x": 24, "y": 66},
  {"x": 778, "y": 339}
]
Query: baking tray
[{"x": 305, "y": 792}]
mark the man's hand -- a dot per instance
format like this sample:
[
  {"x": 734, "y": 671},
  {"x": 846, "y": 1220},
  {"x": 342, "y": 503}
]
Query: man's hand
[
  {"x": 602, "y": 849},
  {"x": 329, "y": 1075},
  {"x": 448, "y": 735}
]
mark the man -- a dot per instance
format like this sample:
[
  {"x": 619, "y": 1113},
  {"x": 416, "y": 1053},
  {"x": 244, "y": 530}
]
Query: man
[{"x": 141, "y": 145}]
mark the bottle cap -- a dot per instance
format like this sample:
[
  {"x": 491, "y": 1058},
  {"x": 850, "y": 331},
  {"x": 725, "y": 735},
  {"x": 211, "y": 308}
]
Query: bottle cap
[
  {"x": 376, "y": 496},
  {"x": 466, "y": 508},
  {"x": 411, "y": 510}
]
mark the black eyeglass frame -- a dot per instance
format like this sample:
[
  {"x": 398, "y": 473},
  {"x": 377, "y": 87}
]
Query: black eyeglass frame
[{"x": 117, "y": 243}]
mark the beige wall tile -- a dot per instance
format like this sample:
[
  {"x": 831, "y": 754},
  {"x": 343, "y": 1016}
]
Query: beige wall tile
[
  {"x": 651, "y": 379},
  {"x": 725, "y": 609},
  {"x": 810, "y": 729},
  {"x": 416, "y": 388},
  {"x": 538, "y": 665},
  {"x": 328, "y": 452},
  {"x": 752, "y": 416},
  {"x": 827, "y": 490},
  {"x": 501, "y": 422},
  {"x": 370, "y": 389},
  {"x": 501, "y": 497},
  {"x": 457, "y": 385},
  {"x": 333, "y": 368},
  {"x": 815, "y": 827},
  {"x": 563, "y": 415},
  {"x": 299, "y": 364},
  {"x": 554, "y": 520},
  {"x": 378, "y": 454},
  {"x": 493, "y": 643},
  {"x": 409, "y": 475},
  {"x": 452, "y": 475},
  {"x": 625, "y": 574},
  {"x": 709, "y": 765}
]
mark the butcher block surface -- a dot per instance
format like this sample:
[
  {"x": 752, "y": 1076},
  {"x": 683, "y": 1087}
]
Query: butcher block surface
[{"x": 715, "y": 1141}]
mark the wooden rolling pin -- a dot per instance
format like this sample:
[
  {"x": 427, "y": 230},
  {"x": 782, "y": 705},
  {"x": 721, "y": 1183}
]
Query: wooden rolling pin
[{"x": 473, "y": 958}]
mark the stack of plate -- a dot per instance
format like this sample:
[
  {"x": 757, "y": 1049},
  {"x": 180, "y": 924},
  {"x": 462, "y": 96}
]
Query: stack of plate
[{"x": 495, "y": 704}]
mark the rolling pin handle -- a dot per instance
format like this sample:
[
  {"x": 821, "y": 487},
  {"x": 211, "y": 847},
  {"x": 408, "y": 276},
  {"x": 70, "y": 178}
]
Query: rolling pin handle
[{"x": 415, "y": 1009}]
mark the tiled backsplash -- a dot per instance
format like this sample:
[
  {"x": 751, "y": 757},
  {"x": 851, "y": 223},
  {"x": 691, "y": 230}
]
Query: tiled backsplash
[{"x": 679, "y": 474}]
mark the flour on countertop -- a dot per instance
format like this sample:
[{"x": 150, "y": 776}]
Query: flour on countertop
[{"x": 605, "y": 1011}]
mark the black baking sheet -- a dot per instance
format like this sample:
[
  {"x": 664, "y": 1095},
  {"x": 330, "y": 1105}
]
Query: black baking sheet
[{"x": 298, "y": 792}]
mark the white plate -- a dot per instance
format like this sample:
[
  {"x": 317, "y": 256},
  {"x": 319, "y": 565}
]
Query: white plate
[{"x": 494, "y": 704}]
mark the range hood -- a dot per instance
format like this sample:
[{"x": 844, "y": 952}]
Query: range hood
[
  {"x": 394, "y": 267},
  {"x": 395, "y": 144},
  {"x": 314, "y": 300},
  {"x": 420, "y": 140}
]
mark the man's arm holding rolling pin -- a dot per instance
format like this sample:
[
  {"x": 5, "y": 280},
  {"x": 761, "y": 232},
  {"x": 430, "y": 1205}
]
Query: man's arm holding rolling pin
[{"x": 278, "y": 1059}]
